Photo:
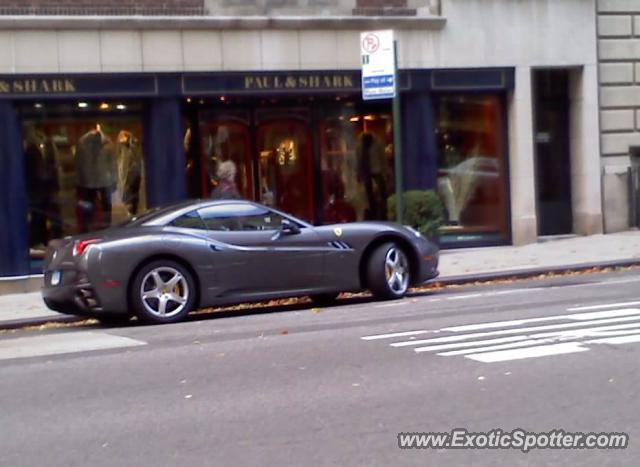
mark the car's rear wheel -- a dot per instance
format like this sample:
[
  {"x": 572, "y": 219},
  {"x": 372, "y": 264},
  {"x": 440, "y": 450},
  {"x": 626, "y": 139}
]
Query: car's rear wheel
[
  {"x": 388, "y": 272},
  {"x": 163, "y": 291}
]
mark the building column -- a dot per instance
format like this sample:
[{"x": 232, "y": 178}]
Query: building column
[
  {"x": 14, "y": 231},
  {"x": 164, "y": 153},
  {"x": 524, "y": 225},
  {"x": 586, "y": 194}
]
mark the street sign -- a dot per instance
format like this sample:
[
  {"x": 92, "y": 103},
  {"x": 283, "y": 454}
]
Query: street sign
[{"x": 378, "y": 65}]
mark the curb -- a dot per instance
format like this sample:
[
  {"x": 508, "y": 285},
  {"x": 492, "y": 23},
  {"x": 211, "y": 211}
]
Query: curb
[
  {"x": 452, "y": 280},
  {"x": 21, "y": 323},
  {"x": 532, "y": 272}
]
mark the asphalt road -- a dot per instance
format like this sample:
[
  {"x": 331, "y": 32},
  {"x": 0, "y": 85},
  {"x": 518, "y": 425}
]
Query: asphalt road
[{"x": 300, "y": 386}]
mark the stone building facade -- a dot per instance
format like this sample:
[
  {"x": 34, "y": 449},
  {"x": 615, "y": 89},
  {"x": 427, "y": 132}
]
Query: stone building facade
[
  {"x": 499, "y": 104},
  {"x": 619, "y": 58}
]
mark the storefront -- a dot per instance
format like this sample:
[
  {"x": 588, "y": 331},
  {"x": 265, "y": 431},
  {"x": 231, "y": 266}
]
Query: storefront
[{"x": 82, "y": 152}]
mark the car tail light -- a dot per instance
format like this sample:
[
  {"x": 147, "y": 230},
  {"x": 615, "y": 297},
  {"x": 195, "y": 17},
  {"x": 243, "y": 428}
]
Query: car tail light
[{"x": 81, "y": 245}]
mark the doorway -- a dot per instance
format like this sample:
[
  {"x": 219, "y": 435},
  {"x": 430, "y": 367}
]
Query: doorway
[{"x": 552, "y": 151}]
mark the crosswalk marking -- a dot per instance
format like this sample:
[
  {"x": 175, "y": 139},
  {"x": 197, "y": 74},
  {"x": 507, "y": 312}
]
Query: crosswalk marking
[
  {"x": 394, "y": 334},
  {"x": 501, "y": 332},
  {"x": 530, "y": 352},
  {"x": 601, "y": 307},
  {"x": 457, "y": 345},
  {"x": 572, "y": 317},
  {"x": 38, "y": 346},
  {"x": 514, "y": 340}
]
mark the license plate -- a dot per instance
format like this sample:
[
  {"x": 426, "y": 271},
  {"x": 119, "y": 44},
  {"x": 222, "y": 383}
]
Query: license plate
[{"x": 55, "y": 277}]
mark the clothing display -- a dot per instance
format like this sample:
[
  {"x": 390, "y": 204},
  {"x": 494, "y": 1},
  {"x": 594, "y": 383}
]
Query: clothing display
[
  {"x": 96, "y": 178},
  {"x": 373, "y": 173},
  {"x": 42, "y": 180},
  {"x": 95, "y": 161},
  {"x": 129, "y": 170}
]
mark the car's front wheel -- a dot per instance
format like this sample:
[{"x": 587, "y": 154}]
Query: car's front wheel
[
  {"x": 388, "y": 272},
  {"x": 163, "y": 291}
]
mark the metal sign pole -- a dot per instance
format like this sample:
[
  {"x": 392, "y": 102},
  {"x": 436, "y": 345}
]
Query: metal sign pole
[{"x": 397, "y": 138}]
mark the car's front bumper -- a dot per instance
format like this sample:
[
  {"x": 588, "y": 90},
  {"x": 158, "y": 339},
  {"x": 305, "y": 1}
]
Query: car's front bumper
[{"x": 429, "y": 257}]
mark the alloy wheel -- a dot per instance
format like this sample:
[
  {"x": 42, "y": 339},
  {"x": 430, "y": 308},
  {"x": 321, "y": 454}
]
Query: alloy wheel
[
  {"x": 396, "y": 269},
  {"x": 164, "y": 292}
]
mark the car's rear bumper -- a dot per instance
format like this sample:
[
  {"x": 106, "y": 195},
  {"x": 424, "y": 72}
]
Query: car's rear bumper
[{"x": 74, "y": 295}]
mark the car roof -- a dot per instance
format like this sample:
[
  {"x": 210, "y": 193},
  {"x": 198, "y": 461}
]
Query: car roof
[{"x": 166, "y": 214}]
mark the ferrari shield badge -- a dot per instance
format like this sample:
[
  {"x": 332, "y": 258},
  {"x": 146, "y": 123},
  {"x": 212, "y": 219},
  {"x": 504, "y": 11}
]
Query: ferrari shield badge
[{"x": 337, "y": 231}]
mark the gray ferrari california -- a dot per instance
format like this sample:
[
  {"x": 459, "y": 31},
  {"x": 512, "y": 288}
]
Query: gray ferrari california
[{"x": 164, "y": 263}]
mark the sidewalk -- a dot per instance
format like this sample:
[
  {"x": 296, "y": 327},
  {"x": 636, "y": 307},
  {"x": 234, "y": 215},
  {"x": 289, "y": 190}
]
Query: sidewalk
[{"x": 456, "y": 266}]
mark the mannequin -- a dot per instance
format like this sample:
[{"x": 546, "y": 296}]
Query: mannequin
[
  {"x": 129, "y": 170},
  {"x": 95, "y": 177},
  {"x": 42, "y": 186},
  {"x": 373, "y": 174}
]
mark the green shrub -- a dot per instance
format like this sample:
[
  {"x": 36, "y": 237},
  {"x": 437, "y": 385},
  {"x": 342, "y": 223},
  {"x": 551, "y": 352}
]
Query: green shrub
[{"x": 422, "y": 210}]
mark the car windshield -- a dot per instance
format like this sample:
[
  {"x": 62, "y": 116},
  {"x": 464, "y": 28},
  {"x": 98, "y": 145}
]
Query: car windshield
[{"x": 152, "y": 213}]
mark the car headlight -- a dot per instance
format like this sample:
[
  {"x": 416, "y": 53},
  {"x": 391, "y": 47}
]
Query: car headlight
[{"x": 414, "y": 231}]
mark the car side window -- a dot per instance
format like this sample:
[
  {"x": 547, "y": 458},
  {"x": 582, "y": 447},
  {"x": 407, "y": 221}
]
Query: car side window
[
  {"x": 241, "y": 217},
  {"x": 190, "y": 220}
]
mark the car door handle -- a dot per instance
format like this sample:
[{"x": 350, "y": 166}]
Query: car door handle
[{"x": 214, "y": 247}]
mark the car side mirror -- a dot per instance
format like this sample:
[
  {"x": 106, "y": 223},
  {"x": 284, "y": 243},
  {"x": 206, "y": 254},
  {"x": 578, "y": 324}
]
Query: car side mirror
[{"x": 289, "y": 228}]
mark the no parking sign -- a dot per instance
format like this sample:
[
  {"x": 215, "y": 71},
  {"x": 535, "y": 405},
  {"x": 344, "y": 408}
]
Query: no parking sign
[{"x": 378, "y": 65}]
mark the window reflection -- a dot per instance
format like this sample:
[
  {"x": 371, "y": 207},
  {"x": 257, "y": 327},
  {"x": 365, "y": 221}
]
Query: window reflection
[
  {"x": 357, "y": 165},
  {"x": 471, "y": 171},
  {"x": 285, "y": 171},
  {"x": 84, "y": 168},
  {"x": 226, "y": 137}
]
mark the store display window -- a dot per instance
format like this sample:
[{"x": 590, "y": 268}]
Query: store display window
[
  {"x": 224, "y": 136},
  {"x": 471, "y": 177},
  {"x": 84, "y": 167},
  {"x": 357, "y": 164},
  {"x": 284, "y": 162}
]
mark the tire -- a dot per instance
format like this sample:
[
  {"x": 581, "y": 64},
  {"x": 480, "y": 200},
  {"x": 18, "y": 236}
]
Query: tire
[
  {"x": 114, "y": 320},
  {"x": 388, "y": 272},
  {"x": 163, "y": 291},
  {"x": 324, "y": 299}
]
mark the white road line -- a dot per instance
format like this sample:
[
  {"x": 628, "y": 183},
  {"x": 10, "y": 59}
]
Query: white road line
[
  {"x": 528, "y": 352},
  {"x": 538, "y": 339},
  {"x": 616, "y": 340},
  {"x": 619, "y": 281},
  {"x": 38, "y": 346},
  {"x": 461, "y": 297},
  {"x": 482, "y": 345},
  {"x": 585, "y": 332},
  {"x": 394, "y": 334},
  {"x": 599, "y": 307},
  {"x": 458, "y": 345},
  {"x": 492, "y": 348},
  {"x": 387, "y": 305},
  {"x": 501, "y": 332},
  {"x": 519, "y": 322}
]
